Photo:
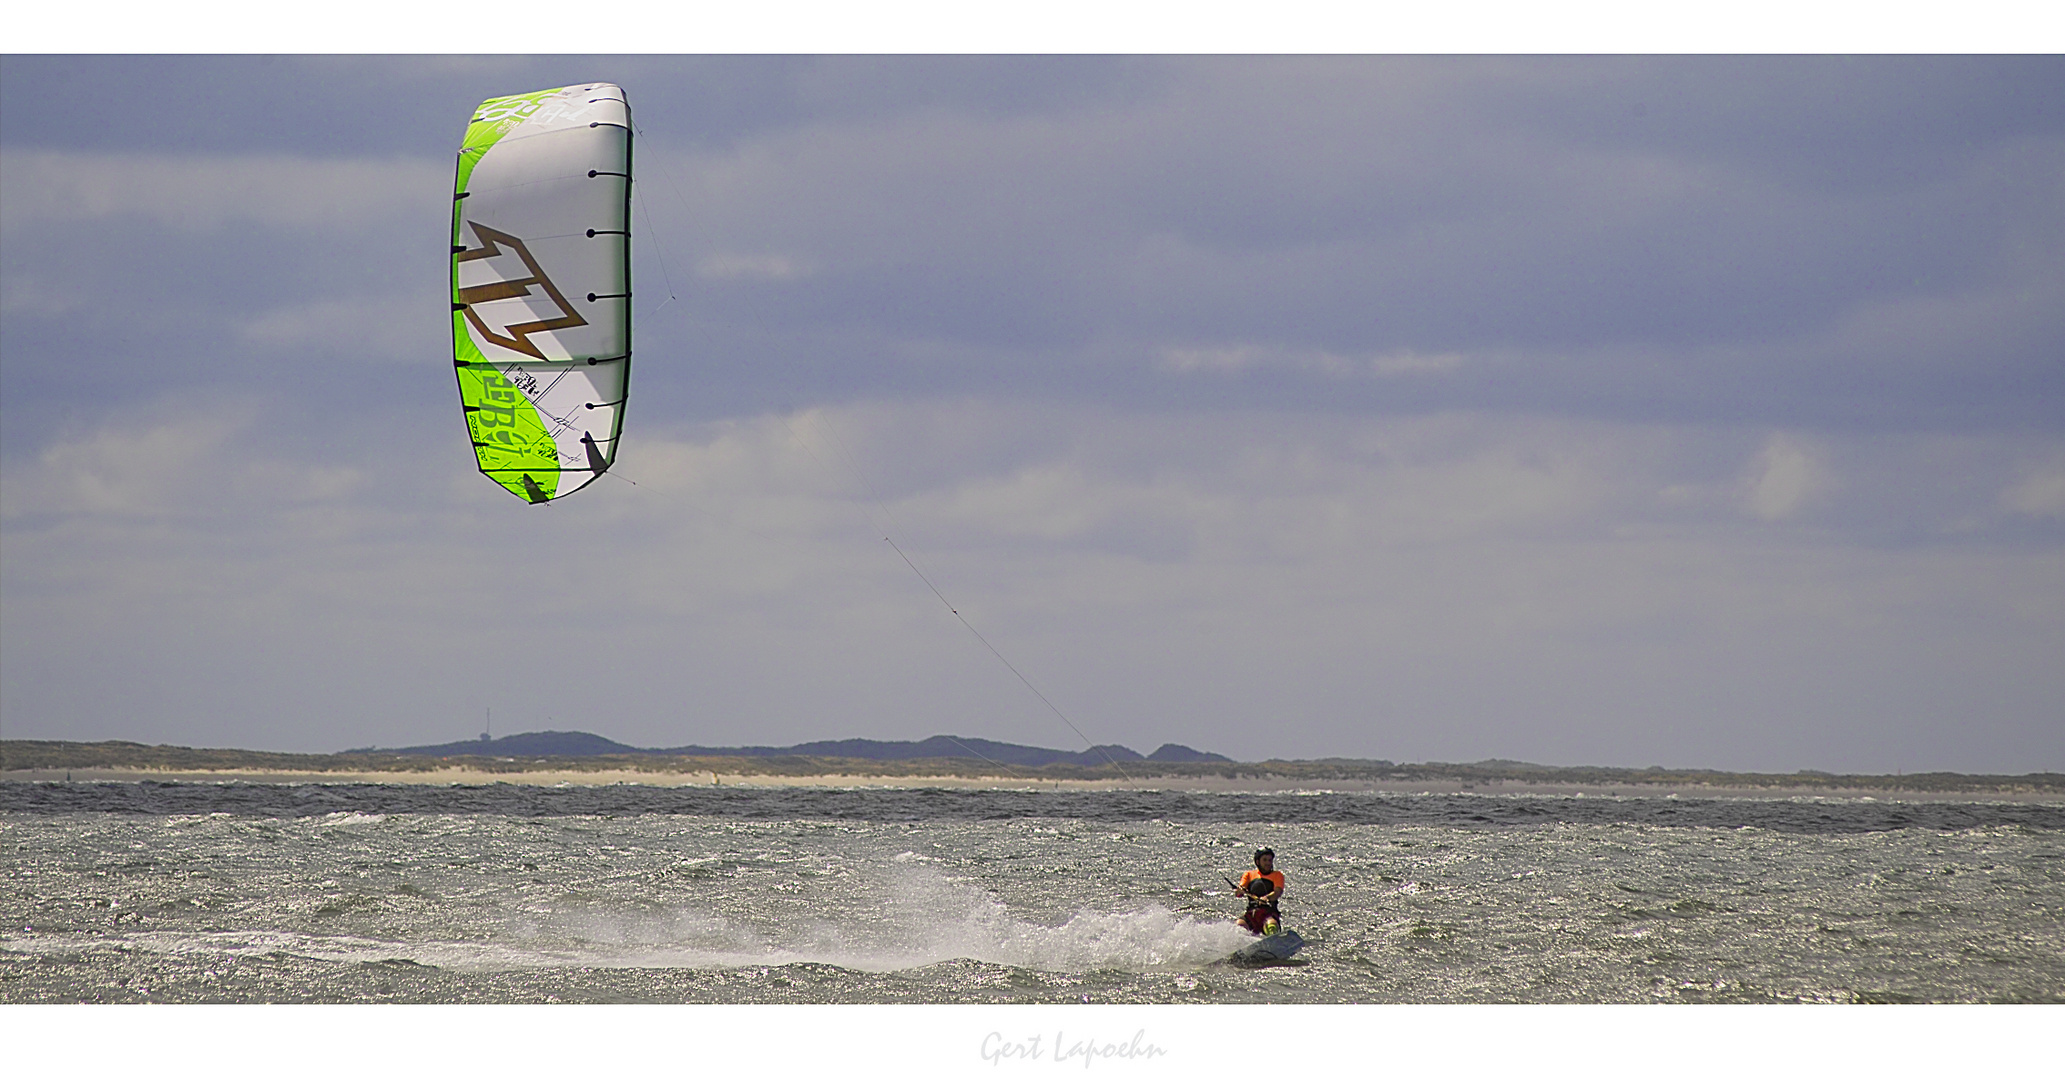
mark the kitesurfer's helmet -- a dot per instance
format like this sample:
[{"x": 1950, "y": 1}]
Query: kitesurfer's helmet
[
  {"x": 1271, "y": 852},
  {"x": 1261, "y": 886}
]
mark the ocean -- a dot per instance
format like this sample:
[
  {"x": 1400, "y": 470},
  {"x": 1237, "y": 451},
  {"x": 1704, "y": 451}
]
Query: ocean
[{"x": 243, "y": 892}]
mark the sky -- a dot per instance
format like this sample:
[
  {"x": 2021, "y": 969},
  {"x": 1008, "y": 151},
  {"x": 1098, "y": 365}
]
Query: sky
[{"x": 1689, "y": 411}]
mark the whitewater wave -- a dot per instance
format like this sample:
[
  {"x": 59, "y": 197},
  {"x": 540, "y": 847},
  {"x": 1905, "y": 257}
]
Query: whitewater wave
[{"x": 910, "y": 915}]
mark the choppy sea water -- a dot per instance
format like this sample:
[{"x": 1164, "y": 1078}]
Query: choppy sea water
[{"x": 252, "y": 892}]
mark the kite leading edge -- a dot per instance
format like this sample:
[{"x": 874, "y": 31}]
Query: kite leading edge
[{"x": 541, "y": 286}]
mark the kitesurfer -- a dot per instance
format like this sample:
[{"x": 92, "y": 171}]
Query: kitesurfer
[{"x": 1263, "y": 887}]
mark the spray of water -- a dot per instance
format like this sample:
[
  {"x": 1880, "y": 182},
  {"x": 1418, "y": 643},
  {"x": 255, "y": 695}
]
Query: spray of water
[{"x": 909, "y": 915}]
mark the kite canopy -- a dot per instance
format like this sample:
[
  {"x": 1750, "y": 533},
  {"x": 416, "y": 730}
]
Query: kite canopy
[{"x": 541, "y": 286}]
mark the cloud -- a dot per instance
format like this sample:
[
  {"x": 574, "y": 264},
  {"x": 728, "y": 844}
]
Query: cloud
[
  {"x": 2040, "y": 494},
  {"x": 1235, "y": 358},
  {"x": 385, "y": 328},
  {"x": 1307, "y": 224},
  {"x": 205, "y": 192},
  {"x": 26, "y": 294},
  {"x": 1415, "y": 235},
  {"x": 123, "y": 471},
  {"x": 726, "y": 267},
  {"x": 1784, "y": 477},
  {"x": 171, "y": 464},
  {"x": 1378, "y": 586}
]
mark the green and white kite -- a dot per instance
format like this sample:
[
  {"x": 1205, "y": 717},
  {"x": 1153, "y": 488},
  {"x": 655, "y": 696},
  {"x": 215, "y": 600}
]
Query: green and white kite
[{"x": 541, "y": 286}]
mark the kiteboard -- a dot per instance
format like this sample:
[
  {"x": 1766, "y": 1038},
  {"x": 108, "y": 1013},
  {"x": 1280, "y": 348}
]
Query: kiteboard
[{"x": 1272, "y": 949}]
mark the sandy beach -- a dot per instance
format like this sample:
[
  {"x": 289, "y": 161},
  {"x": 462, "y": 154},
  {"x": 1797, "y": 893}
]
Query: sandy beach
[{"x": 1206, "y": 784}]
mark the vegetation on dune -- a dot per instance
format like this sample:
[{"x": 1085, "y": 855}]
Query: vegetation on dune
[{"x": 18, "y": 754}]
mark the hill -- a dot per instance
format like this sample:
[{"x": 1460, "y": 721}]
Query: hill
[{"x": 578, "y": 744}]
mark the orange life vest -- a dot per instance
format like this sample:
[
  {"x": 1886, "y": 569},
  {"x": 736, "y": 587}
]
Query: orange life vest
[{"x": 1275, "y": 878}]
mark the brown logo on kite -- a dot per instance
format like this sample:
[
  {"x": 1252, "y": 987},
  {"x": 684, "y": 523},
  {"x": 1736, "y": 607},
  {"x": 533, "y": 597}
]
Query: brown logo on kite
[{"x": 515, "y": 336}]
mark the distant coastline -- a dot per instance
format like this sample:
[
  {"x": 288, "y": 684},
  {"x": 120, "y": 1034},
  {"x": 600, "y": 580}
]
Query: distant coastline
[
  {"x": 50, "y": 760},
  {"x": 559, "y": 744}
]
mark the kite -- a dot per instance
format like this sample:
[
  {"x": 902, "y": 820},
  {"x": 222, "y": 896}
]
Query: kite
[{"x": 541, "y": 286}]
